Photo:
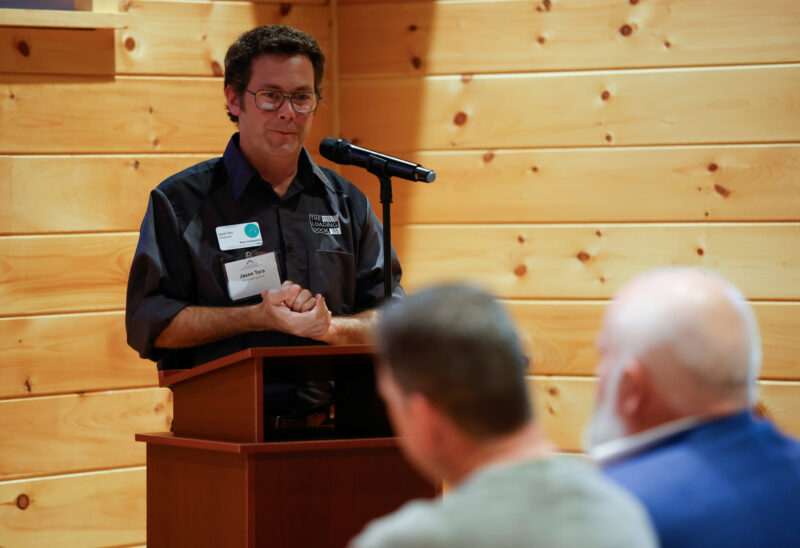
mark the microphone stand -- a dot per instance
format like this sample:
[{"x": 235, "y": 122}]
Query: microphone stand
[{"x": 377, "y": 167}]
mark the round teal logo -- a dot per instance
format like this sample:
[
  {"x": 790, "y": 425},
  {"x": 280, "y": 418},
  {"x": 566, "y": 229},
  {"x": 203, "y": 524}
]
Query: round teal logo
[{"x": 251, "y": 230}]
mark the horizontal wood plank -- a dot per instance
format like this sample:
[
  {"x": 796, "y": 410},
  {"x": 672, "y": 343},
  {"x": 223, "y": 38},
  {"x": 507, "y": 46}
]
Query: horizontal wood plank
[
  {"x": 680, "y": 106},
  {"x": 593, "y": 261},
  {"x": 42, "y": 274},
  {"x": 560, "y": 336},
  {"x": 55, "y": 114},
  {"x": 60, "y": 19},
  {"x": 564, "y": 407},
  {"x": 733, "y": 183},
  {"x": 69, "y": 353},
  {"x": 406, "y": 38},
  {"x": 517, "y": 261},
  {"x": 78, "y": 432},
  {"x": 56, "y": 51},
  {"x": 90, "y": 509},
  {"x": 191, "y": 38}
]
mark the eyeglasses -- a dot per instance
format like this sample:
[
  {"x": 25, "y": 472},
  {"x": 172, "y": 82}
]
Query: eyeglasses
[{"x": 303, "y": 102}]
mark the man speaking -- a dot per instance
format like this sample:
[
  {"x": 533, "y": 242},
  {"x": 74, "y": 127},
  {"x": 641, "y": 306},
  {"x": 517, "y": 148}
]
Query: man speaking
[{"x": 260, "y": 247}]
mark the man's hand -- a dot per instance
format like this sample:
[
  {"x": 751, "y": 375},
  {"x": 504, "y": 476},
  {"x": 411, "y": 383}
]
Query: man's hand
[{"x": 290, "y": 310}]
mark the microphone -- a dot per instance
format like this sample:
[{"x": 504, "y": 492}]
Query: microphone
[{"x": 342, "y": 151}]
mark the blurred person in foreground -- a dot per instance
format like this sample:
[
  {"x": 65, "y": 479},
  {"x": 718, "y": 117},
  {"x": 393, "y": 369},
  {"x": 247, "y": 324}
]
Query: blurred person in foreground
[
  {"x": 452, "y": 374},
  {"x": 679, "y": 359}
]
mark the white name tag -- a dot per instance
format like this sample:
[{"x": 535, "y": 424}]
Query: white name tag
[
  {"x": 252, "y": 276},
  {"x": 239, "y": 236}
]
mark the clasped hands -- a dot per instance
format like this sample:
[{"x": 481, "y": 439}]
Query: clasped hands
[{"x": 295, "y": 310}]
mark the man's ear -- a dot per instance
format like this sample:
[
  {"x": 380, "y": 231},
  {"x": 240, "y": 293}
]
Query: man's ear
[
  {"x": 232, "y": 99},
  {"x": 428, "y": 420},
  {"x": 633, "y": 392}
]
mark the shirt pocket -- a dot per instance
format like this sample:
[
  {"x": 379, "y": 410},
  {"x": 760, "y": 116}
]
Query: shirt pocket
[{"x": 333, "y": 274}]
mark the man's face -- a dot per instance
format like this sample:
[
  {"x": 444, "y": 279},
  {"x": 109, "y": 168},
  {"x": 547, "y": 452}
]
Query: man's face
[
  {"x": 277, "y": 134},
  {"x": 606, "y": 424}
]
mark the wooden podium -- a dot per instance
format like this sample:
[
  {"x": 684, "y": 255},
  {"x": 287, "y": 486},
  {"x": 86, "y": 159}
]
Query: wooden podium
[{"x": 214, "y": 481}]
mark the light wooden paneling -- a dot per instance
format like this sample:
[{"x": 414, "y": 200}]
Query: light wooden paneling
[
  {"x": 60, "y": 19},
  {"x": 56, "y": 51},
  {"x": 591, "y": 261},
  {"x": 53, "y": 114},
  {"x": 51, "y": 194},
  {"x": 69, "y": 353},
  {"x": 733, "y": 183},
  {"x": 42, "y": 274},
  {"x": 516, "y": 36},
  {"x": 58, "y": 194},
  {"x": 564, "y": 406},
  {"x": 560, "y": 336},
  {"x": 192, "y": 38},
  {"x": 89, "y": 509},
  {"x": 674, "y": 106},
  {"x": 77, "y": 432}
]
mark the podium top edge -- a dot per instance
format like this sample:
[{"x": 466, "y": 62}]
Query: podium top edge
[
  {"x": 171, "y": 440},
  {"x": 168, "y": 379}
]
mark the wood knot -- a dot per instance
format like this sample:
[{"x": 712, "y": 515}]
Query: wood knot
[
  {"x": 488, "y": 157},
  {"x": 286, "y": 7},
  {"x": 722, "y": 191},
  {"x": 583, "y": 256},
  {"x": 760, "y": 410},
  {"x": 130, "y": 43},
  {"x": 216, "y": 68},
  {"x": 609, "y": 138},
  {"x": 625, "y": 30},
  {"x": 136, "y": 164},
  {"x": 634, "y": 2},
  {"x": 156, "y": 142},
  {"x": 602, "y": 279},
  {"x": 598, "y": 233},
  {"x": 520, "y": 270},
  {"x": 158, "y": 408},
  {"x": 700, "y": 251},
  {"x": 553, "y": 391},
  {"x": 23, "y": 501},
  {"x": 550, "y": 409},
  {"x": 541, "y": 39},
  {"x": 712, "y": 167},
  {"x": 150, "y": 109},
  {"x": 28, "y": 386},
  {"x": 667, "y": 44},
  {"x": 706, "y": 213},
  {"x": 12, "y": 96},
  {"x": 412, "y": 28},
  {"x": 535, "y": 169},
  {"x": 416, "y": 62},
  {"x": 521, "y": 239},
  {"x": 605, "y": 95},
  {"x": 24, "y": 48},
  {"x": 460, "y": 118},
  {"x": 546, "y": 5},
  {"x": 467, "y": 78}
]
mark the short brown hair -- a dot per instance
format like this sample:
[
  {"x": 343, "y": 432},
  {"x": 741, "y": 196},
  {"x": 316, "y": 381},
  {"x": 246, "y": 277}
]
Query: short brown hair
[
  {"x": 458, "y": 346},
  {"x": 269, "y": 40}
]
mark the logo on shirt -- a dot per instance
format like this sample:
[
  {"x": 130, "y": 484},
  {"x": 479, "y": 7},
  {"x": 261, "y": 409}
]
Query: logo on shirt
[
  {"x": 251, "y": 230},
  {"x": 324, "y": 224}
]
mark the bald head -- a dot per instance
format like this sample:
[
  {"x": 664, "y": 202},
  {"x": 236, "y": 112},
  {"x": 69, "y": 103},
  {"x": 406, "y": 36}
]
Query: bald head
[{"x": 693, "y": 332}]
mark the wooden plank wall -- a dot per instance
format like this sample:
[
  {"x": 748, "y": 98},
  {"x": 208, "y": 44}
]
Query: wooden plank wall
[
  {"x": 90, "y": 122},
  {"x": 578, "y": 143}
]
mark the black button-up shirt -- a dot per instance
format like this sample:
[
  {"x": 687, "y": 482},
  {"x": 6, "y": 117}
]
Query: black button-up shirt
[{"x": 178, "y": 261}]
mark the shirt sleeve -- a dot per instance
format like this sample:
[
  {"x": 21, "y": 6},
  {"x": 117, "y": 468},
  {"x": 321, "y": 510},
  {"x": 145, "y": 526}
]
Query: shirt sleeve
[
  {"x": 369, "y": 266},
  {"x": 161, "y": 282}
]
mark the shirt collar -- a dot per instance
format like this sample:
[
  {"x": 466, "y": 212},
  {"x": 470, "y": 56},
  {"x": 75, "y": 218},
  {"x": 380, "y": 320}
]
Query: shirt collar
[
  {"x": 241, "y": 172},
  {"x": 613, "y": 450}
]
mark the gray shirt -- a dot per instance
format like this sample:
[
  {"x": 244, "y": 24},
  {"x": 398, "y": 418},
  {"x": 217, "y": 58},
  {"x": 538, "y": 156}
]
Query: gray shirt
[{"x": 543, "y": 503}]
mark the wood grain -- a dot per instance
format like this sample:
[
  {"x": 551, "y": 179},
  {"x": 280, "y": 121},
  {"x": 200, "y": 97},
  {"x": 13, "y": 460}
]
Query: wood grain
[
  {"x": 407, "y": 38},
  {"x": 88, "y": 509},
  {"x": 60, "y": 19},
  {"x": 43, "y": 274},
  {"x": 732, "y": 183},
  {"x": 180, "y": 38},
  {"x": 675, "y": 106},
  {"x": 42, "y": 355},
  {"x": 79, "y": 432},
  {"x": 564, "y": 406},
  {"x": 560, "y": 336},
  {"x": 61, "y": 114},
  {"x": 592, "y": 261},
  {"x": 56, "y": 51}
]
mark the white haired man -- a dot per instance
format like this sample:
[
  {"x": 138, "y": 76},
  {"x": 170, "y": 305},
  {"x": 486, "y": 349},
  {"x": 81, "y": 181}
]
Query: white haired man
[{"x": 679, "y": 359}]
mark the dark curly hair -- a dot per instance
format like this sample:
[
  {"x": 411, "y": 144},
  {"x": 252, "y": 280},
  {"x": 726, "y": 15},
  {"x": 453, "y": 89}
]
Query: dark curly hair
[{"x": 265, "y": 40}]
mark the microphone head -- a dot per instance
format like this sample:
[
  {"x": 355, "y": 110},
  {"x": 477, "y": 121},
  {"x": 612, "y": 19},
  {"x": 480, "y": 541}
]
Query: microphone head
[{"x": 335, "y": 150}]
